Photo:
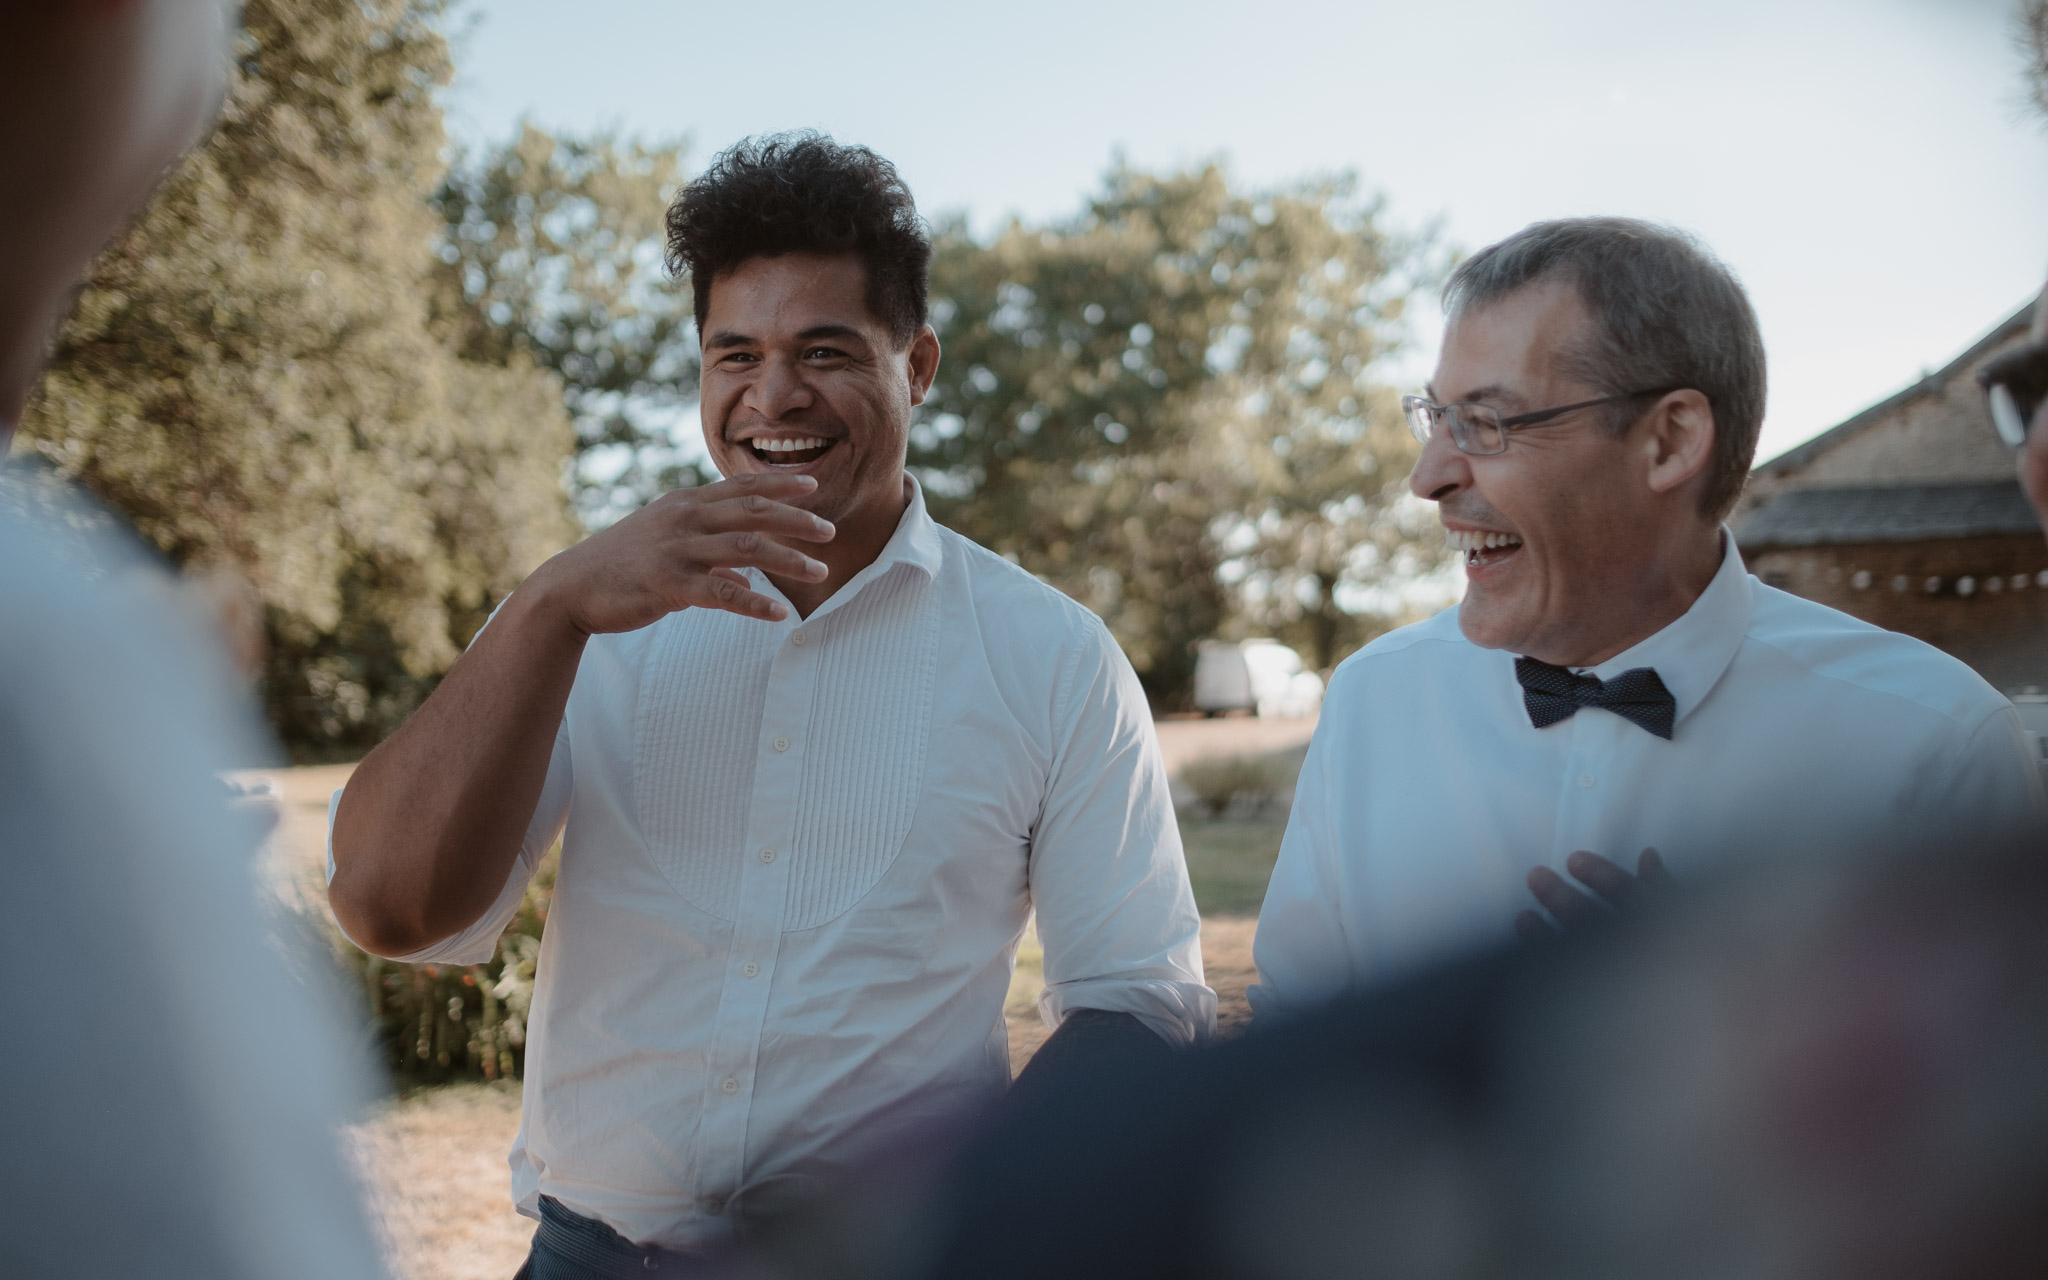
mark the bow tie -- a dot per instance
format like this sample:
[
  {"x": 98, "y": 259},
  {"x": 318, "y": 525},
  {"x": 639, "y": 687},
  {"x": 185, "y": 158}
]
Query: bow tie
[{"x": 1552, "y": 694}]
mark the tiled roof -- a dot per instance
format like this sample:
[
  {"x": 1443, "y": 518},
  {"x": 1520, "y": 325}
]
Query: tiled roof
[
  {"x": 1791, "y": 460},
  {"x": 1886, "y": 513}
]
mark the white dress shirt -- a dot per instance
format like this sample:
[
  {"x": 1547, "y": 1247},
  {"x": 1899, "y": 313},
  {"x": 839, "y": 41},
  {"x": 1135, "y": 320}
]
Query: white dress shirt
[
  {"x": 1427, "y": 796},
  {"x": 798, "y": 860}
]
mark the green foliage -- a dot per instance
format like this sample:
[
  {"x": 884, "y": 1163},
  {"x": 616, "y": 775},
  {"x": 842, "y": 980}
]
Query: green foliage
[
  {"x": 251, "y": 377},
  {"x": 551, "y": 252},
  {"x": 1166, "y": 407},
  {"x": 1228, "y": 780},
  {"x": 437, "y": 1022},
  {"x": 2030, "y": 21},
  {"x": 1230, "y": 862}
]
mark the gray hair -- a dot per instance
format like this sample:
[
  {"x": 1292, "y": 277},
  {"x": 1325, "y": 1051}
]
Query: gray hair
[{"x": 1666, "y": 313}]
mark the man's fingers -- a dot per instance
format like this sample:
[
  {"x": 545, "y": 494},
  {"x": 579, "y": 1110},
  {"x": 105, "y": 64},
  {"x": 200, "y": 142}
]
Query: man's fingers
[
  {"x": 1530, "y": 926},
  {"x": 755, "y": 551},
  {"x": 1566, "y": 905},
  {"x": 1604, "y": 878},
  {"x": 760, "y": 514},
  {"x": 1651, "y": 870},
  {"x": 730, "y": 591},
  {"x": 768, "y": 484}
]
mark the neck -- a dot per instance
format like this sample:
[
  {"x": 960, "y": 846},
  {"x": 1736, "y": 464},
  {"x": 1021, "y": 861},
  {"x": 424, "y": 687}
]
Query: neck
[
  {"x": 1663, "y": 599},
  {"x": 860, "y": 538}
]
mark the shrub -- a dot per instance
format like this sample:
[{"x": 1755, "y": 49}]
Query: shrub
[
  {"x": 1220, "y": 783},
  {"x": 439, "y": 1022}
]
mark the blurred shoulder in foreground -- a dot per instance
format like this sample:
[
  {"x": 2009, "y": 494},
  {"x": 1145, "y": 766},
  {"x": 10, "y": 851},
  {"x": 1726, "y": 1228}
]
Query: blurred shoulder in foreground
[{"x": 173, "y": 1091}]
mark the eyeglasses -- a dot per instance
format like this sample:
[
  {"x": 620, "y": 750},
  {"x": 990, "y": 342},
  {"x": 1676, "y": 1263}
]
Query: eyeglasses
[
  {"x": 2014, "y": 386},
  {"x": 1475, "y": 428}
]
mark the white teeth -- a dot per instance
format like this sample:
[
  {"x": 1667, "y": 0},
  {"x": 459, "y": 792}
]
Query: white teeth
[
  {"x": 789, "y": 445},
  {"x": 1476, "y": 540}
]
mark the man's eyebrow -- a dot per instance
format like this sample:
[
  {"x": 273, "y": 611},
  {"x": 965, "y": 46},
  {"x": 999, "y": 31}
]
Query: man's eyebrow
[
  {"x": 725, "y": 338},
  {"x": 829, "y": 331},
  {"x": 1491, "y": 391}
]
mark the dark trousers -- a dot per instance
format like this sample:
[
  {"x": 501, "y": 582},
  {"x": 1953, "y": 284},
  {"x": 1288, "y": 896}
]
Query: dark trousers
[{"x": 569, "y": 1246}]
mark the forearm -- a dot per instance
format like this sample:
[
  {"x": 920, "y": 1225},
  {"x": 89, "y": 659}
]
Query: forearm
[{"x": 431, "y": 821}]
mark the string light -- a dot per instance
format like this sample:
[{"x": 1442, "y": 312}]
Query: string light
[{"x": 1967, "y": 584}]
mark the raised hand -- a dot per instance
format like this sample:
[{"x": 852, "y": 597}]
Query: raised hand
[
  {"x": 1614, "y": 887},
  {"x": 684, "y": 550}
]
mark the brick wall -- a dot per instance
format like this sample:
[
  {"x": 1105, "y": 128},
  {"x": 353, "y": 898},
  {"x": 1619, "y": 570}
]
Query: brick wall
[{"x": 1985, "y": 600}]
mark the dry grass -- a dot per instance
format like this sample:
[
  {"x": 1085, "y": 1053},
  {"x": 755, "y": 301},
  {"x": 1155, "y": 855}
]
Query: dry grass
[{"x": 434, "y": 1163}]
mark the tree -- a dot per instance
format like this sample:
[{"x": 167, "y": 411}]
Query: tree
[
  {"x": 2031, "y": 22},
  {"x": 1166, "y": 408},
  {"x": 552, "y": 252},
  {"x": 251, "y": 378}
]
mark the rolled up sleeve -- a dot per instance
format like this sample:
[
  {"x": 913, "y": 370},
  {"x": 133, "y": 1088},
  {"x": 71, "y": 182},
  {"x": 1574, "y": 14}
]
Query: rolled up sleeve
[
  {"x": 1108, "y": 879},
  {"x": 479, "y": 942}
]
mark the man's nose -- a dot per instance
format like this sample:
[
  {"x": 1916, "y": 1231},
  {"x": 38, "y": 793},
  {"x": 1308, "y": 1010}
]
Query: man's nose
[
  {"x": 779, "y": 390},
  {"x": 1441, "y": 470}
]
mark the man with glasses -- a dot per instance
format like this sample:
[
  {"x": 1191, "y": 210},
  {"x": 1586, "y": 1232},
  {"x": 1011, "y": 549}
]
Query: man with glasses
[
  {"x": 2016, "y": 393},
  {"x": 1615, "y": 695}
]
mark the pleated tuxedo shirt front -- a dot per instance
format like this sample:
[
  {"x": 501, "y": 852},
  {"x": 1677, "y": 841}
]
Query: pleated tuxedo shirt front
[{"x": 797, "y": 862}]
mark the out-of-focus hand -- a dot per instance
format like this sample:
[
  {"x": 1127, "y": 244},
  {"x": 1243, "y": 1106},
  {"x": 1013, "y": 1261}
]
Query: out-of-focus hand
[
  {"x": 1614, "y": 887},
  {"x": 685, "y": 550}
]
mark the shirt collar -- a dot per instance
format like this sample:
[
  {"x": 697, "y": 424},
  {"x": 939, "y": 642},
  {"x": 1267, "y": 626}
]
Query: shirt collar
[
  {"x": 915, "y": 543},
  {"x": 916, "y": 540},
  {"x": 1691, "y": 654}
]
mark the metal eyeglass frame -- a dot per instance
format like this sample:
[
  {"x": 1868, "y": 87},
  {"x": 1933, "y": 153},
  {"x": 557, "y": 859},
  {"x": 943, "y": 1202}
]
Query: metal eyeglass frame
[
  {"x": 1424, "y": 414},
  {"x": 2014, "y": 385}
]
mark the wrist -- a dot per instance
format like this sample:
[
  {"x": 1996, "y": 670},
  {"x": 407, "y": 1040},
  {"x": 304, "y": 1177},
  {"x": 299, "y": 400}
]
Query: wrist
[{"x": 541, "y": 608}]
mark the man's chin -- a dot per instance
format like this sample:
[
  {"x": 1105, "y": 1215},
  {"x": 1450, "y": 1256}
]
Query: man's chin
[{"x": 1483, "y": 624}]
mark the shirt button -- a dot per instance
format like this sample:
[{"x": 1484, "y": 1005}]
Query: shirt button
[
  {"x": 750, "y": 969},
  {"x": 1587, "y": 781},
  {"x": 729, "y": 1084},
  {"x": 798, "y": 638},
  {"x": 715, "y": 1205},
  {"x": 782, "y": 744},
  {"x": 767, "y": 855}
]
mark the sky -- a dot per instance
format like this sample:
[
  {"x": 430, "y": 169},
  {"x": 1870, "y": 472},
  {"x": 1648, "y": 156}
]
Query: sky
[{"x": 1866, "y": 167}]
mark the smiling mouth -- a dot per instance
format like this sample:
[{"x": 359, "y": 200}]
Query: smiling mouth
[
  {"x": 1482, "y": 547},
  {"x": 789, "y": 451}
]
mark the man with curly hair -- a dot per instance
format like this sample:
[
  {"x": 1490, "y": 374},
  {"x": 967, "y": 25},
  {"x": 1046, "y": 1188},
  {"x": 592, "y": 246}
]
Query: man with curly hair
[{"x": 818, "y": 760}]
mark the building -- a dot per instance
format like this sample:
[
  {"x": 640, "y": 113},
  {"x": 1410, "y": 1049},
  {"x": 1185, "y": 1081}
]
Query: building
[{"x": 1910, "y": 515}]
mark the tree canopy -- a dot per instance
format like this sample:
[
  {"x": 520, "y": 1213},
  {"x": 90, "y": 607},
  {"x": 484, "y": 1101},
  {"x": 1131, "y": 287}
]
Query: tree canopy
[
  {"x": 252, "y": 378},
  {"x": 551, "y": 251},
  {"x": 378, "y": 383},
  {"x": 1167, "y": 408},
  {"x": 2031, "y": 22}
]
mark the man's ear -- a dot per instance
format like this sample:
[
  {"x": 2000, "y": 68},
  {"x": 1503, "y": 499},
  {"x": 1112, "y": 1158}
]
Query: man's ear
[
  {"x": 924, "y": 364},
  {"x": 1678, "y": 439}
]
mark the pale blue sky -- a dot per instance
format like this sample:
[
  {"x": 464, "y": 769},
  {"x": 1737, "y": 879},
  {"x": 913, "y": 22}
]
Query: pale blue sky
[{"x": 1864, "y": 165}]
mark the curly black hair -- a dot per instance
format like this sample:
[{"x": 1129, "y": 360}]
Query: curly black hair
[{"x": 801, "y": 192}]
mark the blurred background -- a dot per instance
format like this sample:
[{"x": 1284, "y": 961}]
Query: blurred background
[{"x": 400, "y": 331}]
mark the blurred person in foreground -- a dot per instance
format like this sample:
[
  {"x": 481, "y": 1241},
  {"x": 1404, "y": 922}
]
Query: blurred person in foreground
[
  {"x": 1616, "y": 699},
  {"x": 1820, "y": 1068},
  {"x": 812, "y": 758},
  {"x": 169, "y": 1096}
]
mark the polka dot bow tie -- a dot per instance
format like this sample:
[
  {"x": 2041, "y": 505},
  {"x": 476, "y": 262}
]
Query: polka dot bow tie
[{"x": 1638, "y": 695}]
